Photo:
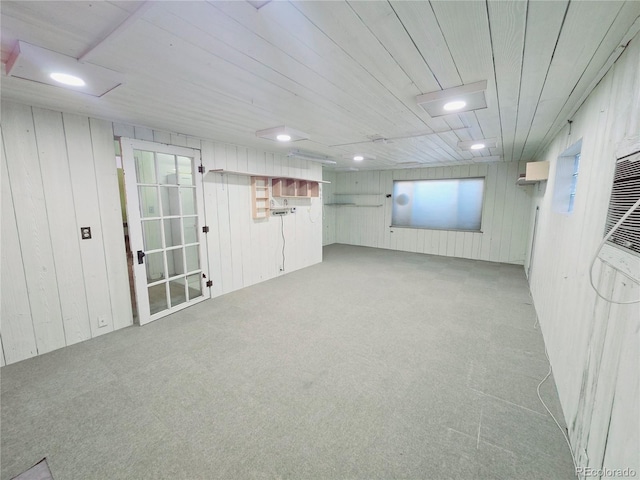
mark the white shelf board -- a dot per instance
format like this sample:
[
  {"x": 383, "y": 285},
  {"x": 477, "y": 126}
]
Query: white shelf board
[{"x": 248, "y": 174}]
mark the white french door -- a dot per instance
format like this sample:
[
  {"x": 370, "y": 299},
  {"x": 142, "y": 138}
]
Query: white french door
[{"x": 165, "y": 216}]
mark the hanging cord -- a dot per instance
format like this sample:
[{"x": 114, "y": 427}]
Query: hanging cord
[
  {"x": 283, "y": 240},
  {"x": 566, "y": 438},
  {"x": 604, "y": 240}
]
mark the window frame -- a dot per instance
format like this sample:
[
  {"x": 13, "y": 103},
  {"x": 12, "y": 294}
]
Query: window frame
[{"x": 482, "y": 204}]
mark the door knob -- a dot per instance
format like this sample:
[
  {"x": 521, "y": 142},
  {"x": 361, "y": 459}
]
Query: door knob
[{"x": 141, "y": 256}]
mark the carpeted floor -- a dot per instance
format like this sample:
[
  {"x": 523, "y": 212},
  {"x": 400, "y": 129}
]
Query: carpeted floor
[{"x": 372, "y": 365}]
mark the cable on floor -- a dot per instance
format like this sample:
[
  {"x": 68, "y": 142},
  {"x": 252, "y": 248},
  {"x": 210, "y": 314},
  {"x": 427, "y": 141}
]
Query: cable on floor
[{"x": 566, "y": 438}]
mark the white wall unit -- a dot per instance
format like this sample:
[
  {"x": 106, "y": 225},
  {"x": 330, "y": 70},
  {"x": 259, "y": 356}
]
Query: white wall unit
[
  {"x": 594, "y": 346},
  {"x": 504, "y": 229},
  {"x": 59, "y": 174}
]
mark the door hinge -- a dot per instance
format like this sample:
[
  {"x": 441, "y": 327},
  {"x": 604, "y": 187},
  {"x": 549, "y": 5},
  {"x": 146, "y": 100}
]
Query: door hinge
[
  {"x": 209, "y": 283},
  {"x": 205, "y": 229},
  {"x": 201, "y": 168}
]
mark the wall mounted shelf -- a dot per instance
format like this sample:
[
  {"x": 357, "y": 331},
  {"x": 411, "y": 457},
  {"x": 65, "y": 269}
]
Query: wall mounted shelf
[
  {"x": 260, "y": 202},
  {"x": 350, "y": 205},
  {"x": 249, "y": 174}
]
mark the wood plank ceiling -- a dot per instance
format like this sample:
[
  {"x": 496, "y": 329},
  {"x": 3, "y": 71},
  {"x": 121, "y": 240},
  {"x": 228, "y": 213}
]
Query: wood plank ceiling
[{"x": 346, "y": 73}]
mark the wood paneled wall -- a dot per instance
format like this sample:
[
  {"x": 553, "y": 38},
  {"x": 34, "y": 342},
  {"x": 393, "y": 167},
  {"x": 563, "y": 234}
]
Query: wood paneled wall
[
  {"x": 594, "y": 345},
  {"x": 59, "y": 174},
  {"x": 504, "y": 215},
  {"x": 328, "y": 213},
  {"x": 243, "y": 251}
]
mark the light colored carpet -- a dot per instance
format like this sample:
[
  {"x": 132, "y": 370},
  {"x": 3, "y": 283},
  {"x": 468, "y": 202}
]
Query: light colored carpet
[{"x": 372, "y": 365}]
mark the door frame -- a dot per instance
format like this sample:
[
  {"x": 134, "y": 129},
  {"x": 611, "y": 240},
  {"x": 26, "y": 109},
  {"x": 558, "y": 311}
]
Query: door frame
[{"x": 128, "y": 145}]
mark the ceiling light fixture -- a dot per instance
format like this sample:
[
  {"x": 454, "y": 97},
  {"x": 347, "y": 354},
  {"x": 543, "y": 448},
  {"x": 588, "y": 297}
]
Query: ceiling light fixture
[
  {"x": 478, "y": 144},
  {"x": 282, "y": 134},
  {"x": 455, "y": 105},
  {"x": 67, "y": 79},
  {"x": 464, "y": 98},
  {"x": 358, "y": 157},
  {"x": 47, "y": 67}
]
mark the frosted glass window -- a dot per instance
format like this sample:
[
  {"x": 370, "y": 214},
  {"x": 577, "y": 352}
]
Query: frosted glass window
[
  {"x": 566, "y": 180},
  {"x": 448, "y": 204}
]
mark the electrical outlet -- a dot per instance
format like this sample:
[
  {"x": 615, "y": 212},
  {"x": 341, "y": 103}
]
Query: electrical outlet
[
  {"x": 102, "y": 321},
  {"x": 85, "y": 233}
]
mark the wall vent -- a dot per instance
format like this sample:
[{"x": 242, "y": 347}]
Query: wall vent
[{"x": 625, "y": 192}]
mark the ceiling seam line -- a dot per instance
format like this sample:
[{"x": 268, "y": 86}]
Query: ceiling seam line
[
  {"x": 551, "y": 128},
  {"x": 495, "y": 76},
  {"x": 546, "y": 77},
  {"x": 361, "y": 66},
  {"x": 524, "y": 44}
]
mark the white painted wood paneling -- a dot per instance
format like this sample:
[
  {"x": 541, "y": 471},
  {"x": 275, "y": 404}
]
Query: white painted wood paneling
[
  {"x": 18, "y": 336},
  {"x": 503, "y": 231},
  {"x": 591, "y": 342},
  {"x": 341, "y": 71},
  {"x": 65, "y": 241},
  {"x": 87, "y": 213},
  {"x": 33, "y": 226},
  {"x": 111, "y": 222},
  {"x": 243, "y": 251},
  {"x": 59, "y": 174}
]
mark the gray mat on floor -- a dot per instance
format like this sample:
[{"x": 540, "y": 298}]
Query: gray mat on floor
[{"x": 40, "y": 471}]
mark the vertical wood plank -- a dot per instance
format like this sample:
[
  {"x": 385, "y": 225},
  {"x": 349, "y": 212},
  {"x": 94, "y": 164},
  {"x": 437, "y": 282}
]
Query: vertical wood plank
[
  {"x": 115, "y": 253},
  {"x": 65, "y": 240},
  {"x": 33, "y": 226},
  {"x": 18, "y": 336},
  {"x": 87, "y": 210},
  {"x": 211, "y": 216}
]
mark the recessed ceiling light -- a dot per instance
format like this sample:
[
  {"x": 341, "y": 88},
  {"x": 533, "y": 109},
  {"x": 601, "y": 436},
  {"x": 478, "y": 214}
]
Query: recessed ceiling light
[
  {"x": 358, "y": 158},
  {"x": 282, "y": 134},
  {"x": 478, "y": 144},
  {"x": 464, "y": 98},
  {"x": 67, "y": 79},
  {"x": 456, "y": 105}
]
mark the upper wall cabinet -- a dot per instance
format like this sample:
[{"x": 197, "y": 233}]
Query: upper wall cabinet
[{"x": 292, "y": 187}]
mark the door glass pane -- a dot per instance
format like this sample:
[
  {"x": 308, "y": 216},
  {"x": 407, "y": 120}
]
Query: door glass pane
[
  {"x": 177, "y": 291},
  {"x": 175, "y": 262},
  {"x": 190, "y": 225},
  {"x": 145, "y": 166},
  {"x": 172, "y": 232},
  {"x": 188, "y": 199},
  {"x": 194, "y": 285},
  {"x": 185, "y": 168},
  {"x": 166, "y": 169},
  {"x": 155, "y": 267},
  {"x": 149, "y": 202},
  {"x": 152, "y": 235},
  {"x": 158, "y": 298},
  {"x": 193, "y": 258},
  {"x": 170, "y": 206}
]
